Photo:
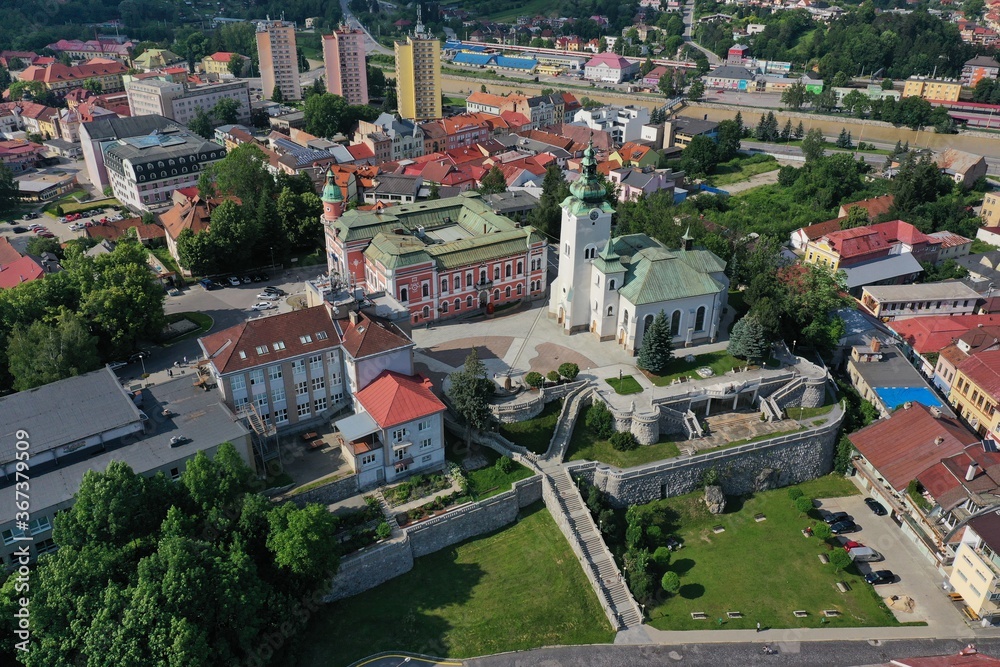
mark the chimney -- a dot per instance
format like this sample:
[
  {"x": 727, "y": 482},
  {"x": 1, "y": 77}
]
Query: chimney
[
  {"x": 353, "y": 316},
  {"x": 935, "y": 412},
  {"x": 876, "y": 345},
  {"x": 970, "y": 474}
]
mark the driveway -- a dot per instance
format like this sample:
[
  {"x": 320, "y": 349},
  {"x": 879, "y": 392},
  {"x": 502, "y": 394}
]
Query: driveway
[{"x": 916, "y": 576}]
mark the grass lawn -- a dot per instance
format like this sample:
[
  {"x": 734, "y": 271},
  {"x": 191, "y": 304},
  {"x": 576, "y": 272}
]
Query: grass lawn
[
  {"x": 203, "y": 321},
  {"x": 739, "y": 169},
  {"x": 70, "y": 204},
  {"x": 536, "y": 433},
  {"x": 720, "y": 362},
  {"x": 626, "y": 385},
  {"x": 455, "y": 101},
  {"x": 163, "y": 255},
  {"x": 508, "y": 11},
  {"x": 585, "y": 445},
  {"x": 765, "y": 570},
  {"x": 488, "y": 481},
  {"x": 516, "y": 589}
]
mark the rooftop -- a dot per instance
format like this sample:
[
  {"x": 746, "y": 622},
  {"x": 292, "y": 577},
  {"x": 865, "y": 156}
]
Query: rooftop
[
  {"x": 393, "y": 398},
  {"x": 983, "y": 370},
  {"x": 946, "y": 290},
  {"x": 366, "y": 335}
]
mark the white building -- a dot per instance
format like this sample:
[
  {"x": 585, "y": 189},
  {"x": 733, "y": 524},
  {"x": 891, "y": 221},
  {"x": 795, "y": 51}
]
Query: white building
[
  {"x": 181, "y": 103},
  {"x": 615, "y": 287},
  {"x": 407, "y": 137},
  {"x": 145, "y": 170},
  {"x": 622, "y": 123},
  {"x": 610, "y": 67}
]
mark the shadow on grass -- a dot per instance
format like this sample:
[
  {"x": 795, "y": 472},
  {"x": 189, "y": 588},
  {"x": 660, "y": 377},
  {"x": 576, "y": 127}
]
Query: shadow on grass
[
  {"x": 682, "y": 566},
  {"x": 734, "y": 504},
  {"x": 691, "y": 591}
]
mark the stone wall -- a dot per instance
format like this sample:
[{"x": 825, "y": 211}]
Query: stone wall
[
  {"x": 810, "y": 393},
  {"x": 328, "y": 493},
  {"x": 522, "y": 408},
  {"x": 780, "y": 461},
  {"x": 367, "y": 569}
]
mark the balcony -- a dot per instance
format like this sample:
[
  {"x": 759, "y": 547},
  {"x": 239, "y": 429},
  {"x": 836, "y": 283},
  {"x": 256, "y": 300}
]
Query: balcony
[{"x": 483, "y": 284}]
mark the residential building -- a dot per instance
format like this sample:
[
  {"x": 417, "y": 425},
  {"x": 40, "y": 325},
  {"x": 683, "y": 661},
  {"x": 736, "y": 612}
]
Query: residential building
[
  {"x": 182, "y": 102},
  {"x": 681, "y": 130},
  {"x": 729, "y": 77},
  {"x": 188, "y": 212},
  {"x": 897, "y": 302},
  {"x": 634, "y": 183},
  {"x": 455, "y": 132},
  {"x": 406, "y": 137},
  {"x": 151, "y": 59},
  {"x": 976, "y": 572},
  {"x": 97, "y": 135},
  {"x": 344, "y": 59},
  {"x": 513, "y": 204},
  {"x": 653, "y": 76},
  {"x": 925, "y": 337},
  {"x": 632, "y": 154},
  {"x": 394, "y": 189},
  {"x": 975, "y": 391},
  {"x": 278, "y": 59},
  {"x": 990, "y": 212},
  {"x": 938, "y": 90},
  {"x": 980, "y": 339},
  {"x": 20, "y": 155},
  {"x": 23, "y": 270},
  {"x": 144, "y": 171},
  {"x": 219, "y": 63},
  {"x": 848, "y": 247},
  {"x": 883, "y": 376},
  {"x": 964, "y": 168},
  {"x": 738, "y": 54},
  {"x": 92, "y": 48},
  {"x": 621, "y": 123},
  {"x": 978, "y": 68},
  {"x": 98, "y": 423},
  {"x": 614, "y": 287},
  {"x": 60, "y": 79},
  {"x": 438, "y": 258},
  {"x": 418, "y": 76},
  {"x": 610, "y": 67}
]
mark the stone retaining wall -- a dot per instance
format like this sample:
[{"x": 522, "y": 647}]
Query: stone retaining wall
[
  {"x": 333, "y": 492},
  {"x": 374, "y": 566},
  {"x": 768, "y": 464},
  {"x": 521, "y": 410}
]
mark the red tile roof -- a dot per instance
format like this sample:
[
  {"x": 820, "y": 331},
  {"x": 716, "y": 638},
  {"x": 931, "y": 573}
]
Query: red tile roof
[
  {"x": 983, "y": 369},
  {"x": 820, "y": 229},
  {"x": 875, "y": 206},
  {"x": 910, "y": 441},
  {"x": 235, "y": 348},
  {"x": 360, "y": 151},
  {"x": 193, "y": 213},
  {"x": 58, "y": 72},
  {"x": 224, "y": 57},
  {"x": 115, "y": 230},
  {"x": 393, "y": 398},
  {"x": 20, "y": 271},
  {"x": 371, "y": 335},
  {"x": 931, "y": 334},
  {"x": 8, "y": 254}
]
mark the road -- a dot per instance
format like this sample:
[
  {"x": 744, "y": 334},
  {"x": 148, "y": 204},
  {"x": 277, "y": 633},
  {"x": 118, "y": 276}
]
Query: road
[
  {"x": 688, "y": 15},
  {"x": 371, "y": 45}
]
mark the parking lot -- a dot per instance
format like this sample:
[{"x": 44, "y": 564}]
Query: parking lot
[
  {"x": 916, "y": 577},
  {"x": 60, "y": 230}
]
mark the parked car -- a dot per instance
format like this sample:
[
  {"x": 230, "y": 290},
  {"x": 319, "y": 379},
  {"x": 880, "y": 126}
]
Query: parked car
[
  {"x": 38, "y": 230},
  {"x": 27, "y": 216},
  {"x": 256, "y": 278},
  {"x": 19, "y": 230},
  {"x": 836, "y": 517},
  {"x": 876, "y": 507},
  {"x": 115, "y": 365},
  {"x": 851, "y": 544},
  {"x": 73, "y": 217},
  {"x": 864, "y": 555},
  {"x": 876, "y": 577},
  {"x": 207, "y": 284},
  {"x": 36, "y": 226},
  {"x": 842, "y": 527},
  {"x": 267, "y": 296},
  {"x": 264, "y": 276},
  {"x": 179, "y": 440},
  {"x": 275, "y": 290},
  {"x": 46, "y": 234},
  {"x": 247, "y": 280},
  {"x": 62, "y": 218},
  {"x": 234, "y": 281},
  {"x": 262, "y": 305},
  {"x": 142, "y": 354}
]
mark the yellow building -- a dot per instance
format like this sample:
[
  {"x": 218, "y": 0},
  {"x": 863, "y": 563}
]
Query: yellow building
[
  {"x": 976, "y": 572},
  {"x": 990, "y": 212},
  {"x": 218, "y": 62},
  {"x": 975, "y": 392},
  {"x": 945, "y": 90},
  {"x": 418, "y": 77}
]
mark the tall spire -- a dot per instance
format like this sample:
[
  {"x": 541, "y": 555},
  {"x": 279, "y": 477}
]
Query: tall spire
[{"x": 588, "y": 187}]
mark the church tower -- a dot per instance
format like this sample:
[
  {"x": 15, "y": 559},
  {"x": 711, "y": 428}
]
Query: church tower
[
  {"x": 585, "y": 230},
  {"x": 333, "y": 208},
  {"x": 333, "y": 199}
]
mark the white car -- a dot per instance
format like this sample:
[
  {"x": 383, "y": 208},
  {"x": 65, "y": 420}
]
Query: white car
[
  {"x": 76, "y": 226},
  {"x": 234, "y": 281},
  {"x": 267, "y": 296},
  {"x": 36, "y": 226},
  {"x": 263, "y": 305}
]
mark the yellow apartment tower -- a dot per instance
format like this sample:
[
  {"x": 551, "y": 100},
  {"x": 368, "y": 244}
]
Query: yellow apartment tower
[{"x": 418, "y": 76}]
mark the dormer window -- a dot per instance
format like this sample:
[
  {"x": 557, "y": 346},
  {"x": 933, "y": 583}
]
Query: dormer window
[
  {"x": 305, "y": 340},
  {"x": 321, "y": 335},
  {"x": 261, "y": 349},
  {"x": 243, "y": 354},
  {"x": 280, "y": 345}
]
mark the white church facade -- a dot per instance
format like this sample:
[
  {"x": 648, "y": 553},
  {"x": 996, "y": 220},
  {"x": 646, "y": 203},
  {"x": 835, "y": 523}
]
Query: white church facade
[{"x": 614, "y": 287}]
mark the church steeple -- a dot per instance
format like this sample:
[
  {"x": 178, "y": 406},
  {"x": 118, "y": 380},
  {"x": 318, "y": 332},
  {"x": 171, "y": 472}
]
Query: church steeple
[
  {"x": 588, "y": 187},
  {"x": 333, "y": 199},
  {"x": 688, "y": 239}
]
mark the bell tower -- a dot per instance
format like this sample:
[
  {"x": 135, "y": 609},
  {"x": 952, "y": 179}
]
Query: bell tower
[{"x": 333, "y": 200}]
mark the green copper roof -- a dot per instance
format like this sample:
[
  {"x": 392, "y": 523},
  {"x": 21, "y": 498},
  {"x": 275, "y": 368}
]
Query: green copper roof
[
  {"x": 331, "y": 191},
  {"x": 588, "y": 187},
  {"x": 656, "y": 274},
  {"x": 608, "y": 261}
]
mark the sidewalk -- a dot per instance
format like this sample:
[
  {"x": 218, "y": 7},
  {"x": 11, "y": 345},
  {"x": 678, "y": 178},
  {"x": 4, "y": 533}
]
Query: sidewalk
[{"x": 648, "y": 635}]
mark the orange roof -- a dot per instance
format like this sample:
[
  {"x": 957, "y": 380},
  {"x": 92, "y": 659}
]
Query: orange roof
[
  {"x": 58, "y": 72},
  {"x": 371, "y": 335},
  {"x": 875, "y": 206},
  {"x": 20, "y": 271},
  {"x": 932, "y": 333},
  {"x": 8, "y": 254},
  {"x": 193, "y": 213},
  {"x": 983, "y": 369},
  {"x": 392, "y": 399},
  {"x": 224, "y": 57}
]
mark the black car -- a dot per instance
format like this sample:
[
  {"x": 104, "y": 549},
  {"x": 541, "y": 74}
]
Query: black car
[
  {"x": 19, "y": 230},
  {"x": 264, "y": 276},
  {"x": 880, "y": 577},
  {"x": 876, "y": 507},
  {"x": 842, "y": 527},
  {"x": 836, "y": 517},
  {"x": 275, "y": 290},
  {"x": 137, "y": 356}
]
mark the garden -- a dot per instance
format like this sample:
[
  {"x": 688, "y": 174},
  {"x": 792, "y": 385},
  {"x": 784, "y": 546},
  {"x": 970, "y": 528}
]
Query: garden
[
  {"x": 475, "y": 598},
  {"x": 356, "y": 529},
  {"x": 535, "y": 434},
  {"x": 679, "y": 367},
  {"x": 594, "y": 439},
  {"x": 690, "y": 567}
]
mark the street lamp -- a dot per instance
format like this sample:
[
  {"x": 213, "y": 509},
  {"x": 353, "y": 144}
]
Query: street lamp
[{"x": 272, "y": 258}]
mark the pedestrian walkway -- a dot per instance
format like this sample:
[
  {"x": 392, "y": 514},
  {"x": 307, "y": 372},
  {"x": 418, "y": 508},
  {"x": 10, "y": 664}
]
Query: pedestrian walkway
[{"x": 646, "y": 634}]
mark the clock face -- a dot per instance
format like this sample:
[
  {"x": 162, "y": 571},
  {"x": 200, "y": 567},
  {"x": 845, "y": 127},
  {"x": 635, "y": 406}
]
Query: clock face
[{"x": 595, "y": 214}]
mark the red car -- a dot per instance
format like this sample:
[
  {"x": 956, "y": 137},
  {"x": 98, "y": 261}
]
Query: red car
[
  {"x": 73, "y": 217},
  {"x": 39, "y": 230},
  {"x": 851, "y": 544},
  {"x": 47, "y": 235}
]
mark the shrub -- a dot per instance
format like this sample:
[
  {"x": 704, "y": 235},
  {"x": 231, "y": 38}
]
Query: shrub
[
  {"x": 661, "y": 557},
  {"x": 569, "y": 371},
  {"x": 822, "y": 531},
  {"x": 804, "y": 504},
  {"x": 606, "y": 520},
  {"x": 600, "y": 420},
  {"x": 534, "y": 380},
  {"x": 654, "y": 533},
  {"x": 383, "y": 531},
  {"x": 670, "y": 583},
  {"x": 710, "y": 477},
  {"x": 504, "y": 464},
  {"x": 840, "y": 559},
  {"x": 633, "y": 535},
  {"x": 624, "y": 441},
  {"x": 553, "y": 376},
  {"x": 795, "y": 493},
  {"x": 595, "y": 501},
  {"x": 59, "y": 211}
]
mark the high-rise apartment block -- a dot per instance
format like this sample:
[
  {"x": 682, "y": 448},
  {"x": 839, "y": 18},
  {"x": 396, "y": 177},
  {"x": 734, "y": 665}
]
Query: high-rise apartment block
[
  {"x": 278, "y": 59},
  {"x": 418, "y": 76},
  {"x": 344, "y": 58}
]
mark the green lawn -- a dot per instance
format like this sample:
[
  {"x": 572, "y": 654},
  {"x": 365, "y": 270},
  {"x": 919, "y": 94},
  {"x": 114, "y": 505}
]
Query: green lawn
[
  {"x": 585, "y": 445},
  {"x": 454, "y": 101},
  {"x": 536, "y": 433},
  {"x": 720, "y": 362},
  {"x": 516, "y": 589},
  {"x": 163, "y": 255},
  {"x": 509, "y": 11},
  {"x": 70, "y": 205},
  {"x": 488, "y": 481},
  {"x": 626, "y": 385},
  {"x": 203, "y": 321},
  {"x": 739, "y": 169},
  {"x": 766, "y": 570}
]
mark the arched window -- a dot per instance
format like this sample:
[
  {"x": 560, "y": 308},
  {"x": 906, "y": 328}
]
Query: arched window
[
  {"x": 404, "y": 294},
  {"x": 519, "y": 289},
  {"x": 444, "y": 284},
  {"x": 482, "y": 276},
  {"x": 646, "y": 323},
  {"x": 699, "y": 319},
  {"x": 675, "y": 323},
  {"x": 625, "y": 319},
  {"x": 611, "y": 284},
  {"x": 611, "y": 311},
  {"x": 427, "y": 312},
  {"x": 444, "y": 306},
  {"x": 458, "y": 304},
  {"x": 506, "y": 272},
  {"x": 506, "y": 292},
  {"x": 468, "y": 302},
  {"x": 425, "y": 290},
  {"x": 496, "y": 295},
  {"x": 520, "y": 267}
]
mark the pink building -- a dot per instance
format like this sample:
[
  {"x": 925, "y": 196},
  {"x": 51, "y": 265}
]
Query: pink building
[{"x": 344, "y": 58}]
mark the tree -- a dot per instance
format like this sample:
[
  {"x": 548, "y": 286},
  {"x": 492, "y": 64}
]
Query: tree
[
  {"x": 666, "y": 85},
  {"x": 298, "y": 540},
  {"x": 748, "y": 340},
  {"x": 317, "y": 88},
  {"x": 324, "y": 114},
  {"x": 547, "y": 215},
  {"x": 840, "y": 559},
  {"x": 242, "y": 173},
  {"x": 799, "y": 131},
  {"x": 277, "y": 95},
  {"x": 840, "y": 80},
  {"x": 804, "y": 504},
  {"x": 813, "y": 145},
  {"x": 434, "y": 192},
  {"x": 699, "y": 156},
  {"x": 670, "y": 583},
  {"x": 857, "y": 103},
  {"x": 534, "y": 379},
  {"x": 857, "y": 216},
  {"x": 844, "y": 139},
  {"x": 599, "y": 420},
  {"x": 38, "y": 245},
  {"x": 786, "y": 131},
  {"x": 227, "y": 111},
  {"x": 376, "y": 81},
  {"x": 794, "y": 96},
  {"x": 40, "y": 353},
  {"x": 5, "y": 78},
  {"x": 696, "y": 90},
  {"x": 887, "y": 84},
  {"x": 728, "y": 145},
  {"x": 569, "y": 370},
  {"x": 197, "y": 252},
  {"x": 493, "y": 182},
  {"x": 236, "y": 65},
  {"x": 822, "y": 531},
  {"x": 9, "y": 189},
  {"x": 469, "y": 392},
  {"x": 657, "y": 347},
  {"x": 201, "y": 124},
  {"x": 94, "y": 86}
]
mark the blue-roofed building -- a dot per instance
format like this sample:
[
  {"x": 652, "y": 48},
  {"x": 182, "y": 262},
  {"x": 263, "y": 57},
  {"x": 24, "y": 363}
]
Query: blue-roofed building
[
  {"x": 520, "y": 64},
  {"x": 464, "y": 58},
  {"x": 495, "y": 61},
  {"x": 883, "y": 375}
]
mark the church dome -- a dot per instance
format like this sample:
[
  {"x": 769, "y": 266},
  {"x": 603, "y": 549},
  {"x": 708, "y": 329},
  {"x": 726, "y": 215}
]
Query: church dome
[
  {"x": 588, "y": 187},
  {"x": 331, "y": 191}
]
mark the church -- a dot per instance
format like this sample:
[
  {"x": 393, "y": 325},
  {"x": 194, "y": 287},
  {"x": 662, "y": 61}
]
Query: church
[{"x": 613, "y": 287}]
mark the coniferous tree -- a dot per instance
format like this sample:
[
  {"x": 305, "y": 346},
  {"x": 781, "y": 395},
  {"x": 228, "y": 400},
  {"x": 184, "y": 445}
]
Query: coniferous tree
[{"x": 657, "y": 347}]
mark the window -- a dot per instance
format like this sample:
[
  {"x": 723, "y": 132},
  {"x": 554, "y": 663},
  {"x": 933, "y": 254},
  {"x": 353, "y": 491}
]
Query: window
[
  {"x": 319, "y": 405},
  {"x": 404, "y": 294},
  {"x": 318, "y": 384},
  {"x": 321, "y": 335},
  {"x": 506, "y": 271},
  {"x": 280, "y": 416},
  {"x": 424, "y": 425},
  {"x": 298, "y": 366},
  {"x": 175, "y": 474},
  {"x": 961, "y": 575},
  {"x": 274, "y": 372},
  {"x": 426, "y": 312},
  {"x": 675, "y": 323},
  {"x": 458, "y": 304},
  {"x": 261, "y": 349},
  {"x": 611, "y": 284},
  {"x": 520, "y": 288},
  {"x": 240, "y": 402},
  {"x": 611, "y": 311},
  {"x": 303, "y": 410},
  {"x": 444, "y": 284},
  {"x": 367, "y": 459},
  {"x": 11, "y": 536},
  {"x": 237, "y": 383},
  {"x": 256, "y": 377},
  {"x": 277, "y": 394},
  {"x": 305, "y": 340},
  {"x": 482, "y": 276},
  {"x": 301, "y": 388},
  {"x": 425, "y": 290},
  {"x": 506, "y": 292},
  {"x": 39, "y": 525},
  {"x": 496, "y": 272},
  {"x": 401, "y": 453},
  {"x": 699, "y": 319},
  {"x": 316, "y": 362},
  {"x": 468, "y": 302},
  {"x": 398, "y": 434},
  {"x": 426, "y": 443}
]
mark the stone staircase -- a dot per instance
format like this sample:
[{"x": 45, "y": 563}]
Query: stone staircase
[
  {"x": 771, "y": 409},
  {"x": 795, "y": 384},
  {"x": 692, "y": 425},
  {"x": 566, "y": 505},
  {"x": 387, "y": 512},
  {"x": 567, "y": 421}
]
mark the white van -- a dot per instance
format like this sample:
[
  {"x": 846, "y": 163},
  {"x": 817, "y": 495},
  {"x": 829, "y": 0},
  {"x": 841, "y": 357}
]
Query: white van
[{"x": 864, "y": 555}]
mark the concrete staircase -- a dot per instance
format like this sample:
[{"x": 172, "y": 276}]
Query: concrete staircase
[
  {"x": 586, "y": 540},
  {"x": 387, "y": 512},
  {"x": 797, "y": 383},
  {"x": 567, "y": 421},
  {"x": 692, "y": 425}
]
